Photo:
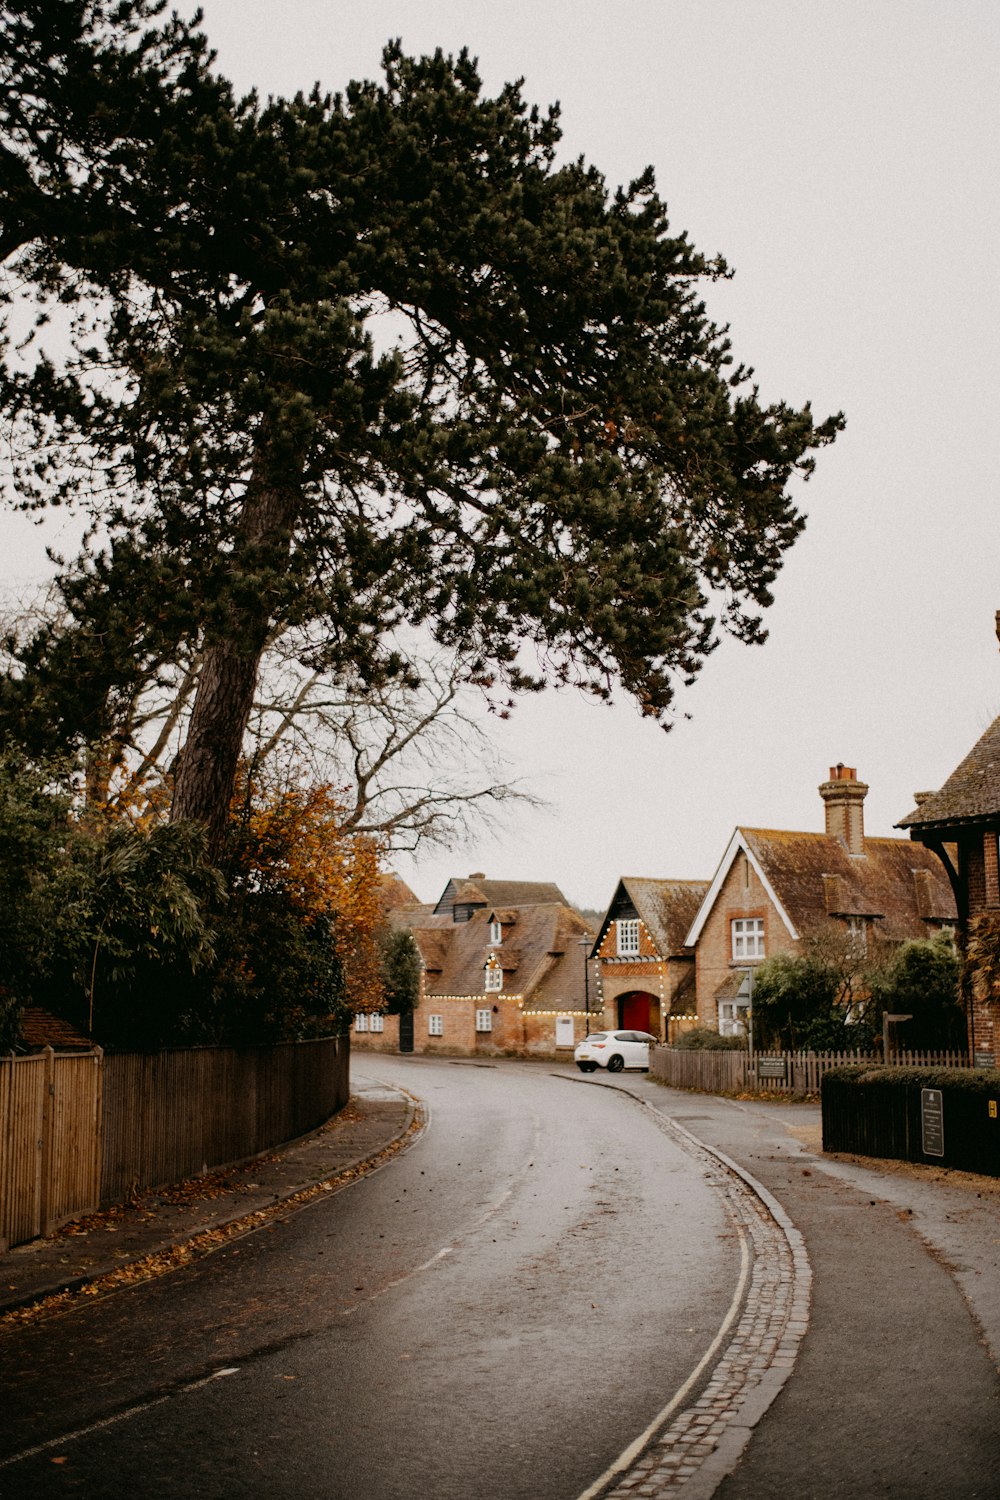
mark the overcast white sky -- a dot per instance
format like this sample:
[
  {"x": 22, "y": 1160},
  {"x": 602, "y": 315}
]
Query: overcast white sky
[{"x": 843, "y": 156}]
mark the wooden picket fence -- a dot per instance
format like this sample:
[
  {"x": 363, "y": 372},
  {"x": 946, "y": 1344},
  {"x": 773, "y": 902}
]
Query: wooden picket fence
[
  {"x": 82, "y": 1131},
  {"x": 773, "y": 1072}
]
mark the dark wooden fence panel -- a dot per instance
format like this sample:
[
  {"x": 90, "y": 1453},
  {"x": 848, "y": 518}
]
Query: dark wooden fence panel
[
  {"x": 82, "y": 1131},
  {"x": 50, "y": 1108},
  {"x": 169, "y": 1115},
  {"x": 71, "y": 1155},
  {"x": 23, "y": 1103}
]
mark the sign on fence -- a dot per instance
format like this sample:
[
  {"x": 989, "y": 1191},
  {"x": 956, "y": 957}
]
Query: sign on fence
[
  {"x": 772, "y": 1067},
  {"x": 932, "y": 1122}
]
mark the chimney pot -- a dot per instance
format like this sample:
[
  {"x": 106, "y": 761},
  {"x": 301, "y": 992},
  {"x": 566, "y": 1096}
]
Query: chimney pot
[{"x": 843, "y": 798}]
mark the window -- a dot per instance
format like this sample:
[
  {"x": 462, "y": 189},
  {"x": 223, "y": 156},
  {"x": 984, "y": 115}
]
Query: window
[
  {"x": 435, "y": 1025},
  {"x": 628, "y": 936},
  {"x": 748, "y": 937},
  {"x": 858, "y": 929},
  {"x": 496, "y": 932},
  {"x": 732, "y": 1017},
  {"x": 494, "y": 977},
  {"x": 484, "y": 1020},
  {"x": 377, "y": 1022},
  {"x": 361, "y": 1023}
]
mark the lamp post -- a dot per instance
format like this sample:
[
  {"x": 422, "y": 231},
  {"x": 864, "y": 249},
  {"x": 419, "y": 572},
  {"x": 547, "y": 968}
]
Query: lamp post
[
  {"x": 585, "y": 944},
  {"x": 750, "y": 1018}
]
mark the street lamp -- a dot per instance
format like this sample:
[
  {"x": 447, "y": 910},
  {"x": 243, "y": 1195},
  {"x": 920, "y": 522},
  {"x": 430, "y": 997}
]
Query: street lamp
[{"x": 585, "y": 944}]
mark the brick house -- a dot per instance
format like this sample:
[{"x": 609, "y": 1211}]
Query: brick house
[
  {"x": 774, "y": 888},
  {"x": 645, "y": 972},
  {"x": 960, "y": 825},
  {"x": 503, "y": 974}
]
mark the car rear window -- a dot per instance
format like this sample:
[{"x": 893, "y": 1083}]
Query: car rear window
[{"x": 597, "y": 1036}]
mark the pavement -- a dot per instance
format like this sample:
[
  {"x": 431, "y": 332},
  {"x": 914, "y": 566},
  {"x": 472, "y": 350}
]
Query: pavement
[{"x": 159, "y": 1230}]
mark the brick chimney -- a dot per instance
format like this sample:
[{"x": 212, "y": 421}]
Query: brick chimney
[{"x": 844, "y": 799}]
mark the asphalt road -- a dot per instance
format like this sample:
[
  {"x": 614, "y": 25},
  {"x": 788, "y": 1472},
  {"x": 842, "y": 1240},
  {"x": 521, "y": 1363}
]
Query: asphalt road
[{"x": 497, "y": 1312}]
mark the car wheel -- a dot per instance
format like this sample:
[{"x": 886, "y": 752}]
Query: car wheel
[
  {"x": 616, "y": 1063},
  {"x": 587, "y": 1067}
]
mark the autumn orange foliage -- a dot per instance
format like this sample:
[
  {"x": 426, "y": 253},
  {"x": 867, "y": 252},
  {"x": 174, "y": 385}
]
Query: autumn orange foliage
[{"x": 291, "y": 837}]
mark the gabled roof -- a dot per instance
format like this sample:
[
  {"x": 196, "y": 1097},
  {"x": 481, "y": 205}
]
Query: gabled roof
[
  {"x": 476, "y": 890},
  {"x": 545, "y": 967},
  {"x": 667, "y": 907},
  {"x": 811, "y": 876},
  {"x": 971, "y": 793}
]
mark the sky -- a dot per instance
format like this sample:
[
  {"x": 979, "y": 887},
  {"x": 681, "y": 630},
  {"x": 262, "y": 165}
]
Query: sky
[{"x": 843, "y": 157}]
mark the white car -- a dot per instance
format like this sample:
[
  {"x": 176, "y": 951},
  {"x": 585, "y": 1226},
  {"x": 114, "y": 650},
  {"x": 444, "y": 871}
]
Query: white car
[{"x": 614, "y": 1050}]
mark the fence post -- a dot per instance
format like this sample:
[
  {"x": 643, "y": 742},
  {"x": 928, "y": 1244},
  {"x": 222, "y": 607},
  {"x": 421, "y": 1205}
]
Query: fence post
[
  {"x": 98, "y": 1158},
  {"x": 47, "y": 1142}
]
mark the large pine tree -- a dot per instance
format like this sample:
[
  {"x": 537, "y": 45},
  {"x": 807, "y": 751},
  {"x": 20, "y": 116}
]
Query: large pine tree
[{"x": 363, "y": 358}]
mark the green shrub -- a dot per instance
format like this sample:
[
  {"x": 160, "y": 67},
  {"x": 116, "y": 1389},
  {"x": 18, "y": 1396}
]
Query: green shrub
[{"x": 703, "y": 1038}]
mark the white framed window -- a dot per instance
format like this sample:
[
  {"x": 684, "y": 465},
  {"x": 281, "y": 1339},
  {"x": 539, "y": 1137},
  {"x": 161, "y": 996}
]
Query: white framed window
[
  {"x": 627, "y": 931},
  {"x": 484, "y": 1020},
  {"x": 496, "y": 932},
  {"x": 748, "y": 937},
  {"x": 377, "y": 1021},
  {"x": 435, "y": 1025},
  {"x": 858, "y": 929},
  {"x": 733, "y": 1017},
  {"x": 494, "y": 978},
  {"x": 361, "y": 1023}
]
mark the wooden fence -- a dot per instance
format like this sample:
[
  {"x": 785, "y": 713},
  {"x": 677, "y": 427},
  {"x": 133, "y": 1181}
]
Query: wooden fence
[
  {"x": 79, "y": 1132},
  {"x": 773, "y": 1072}
]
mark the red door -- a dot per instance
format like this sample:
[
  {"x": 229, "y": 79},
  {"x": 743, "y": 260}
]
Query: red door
[{"x": 635, "y": 1013}]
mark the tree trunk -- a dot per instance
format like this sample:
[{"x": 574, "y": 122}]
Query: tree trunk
[{"x": 206, "y": 772}]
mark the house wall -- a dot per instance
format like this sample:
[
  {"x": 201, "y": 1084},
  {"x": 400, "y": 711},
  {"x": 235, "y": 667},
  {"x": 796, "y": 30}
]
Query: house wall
[
  {"x": 623, "y": 978},
  {"x": 616, "y": 977},
  {"x": 386, "y": 1040},
  {"x": 742, "y": 895},
  {"x": 514, "y": 1032}
]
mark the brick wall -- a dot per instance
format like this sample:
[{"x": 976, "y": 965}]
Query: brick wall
[
  {"x": 975, "y": 874},
  {"x": 513, "y": 1032},
  {"x": 742, "y": 895}
]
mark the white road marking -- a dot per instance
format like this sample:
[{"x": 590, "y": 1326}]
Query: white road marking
[
  {"x": 631, "y": 1453},
  {"x": 121, "y": 1416}
]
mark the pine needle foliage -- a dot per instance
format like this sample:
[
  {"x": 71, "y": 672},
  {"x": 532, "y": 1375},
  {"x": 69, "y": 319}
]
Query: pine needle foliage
[{"x": 363, "y": 358}]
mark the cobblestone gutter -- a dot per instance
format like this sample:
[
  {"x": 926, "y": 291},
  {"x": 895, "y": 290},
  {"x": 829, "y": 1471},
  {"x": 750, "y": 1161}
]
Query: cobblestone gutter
[{"x": 689, "y": 1451}]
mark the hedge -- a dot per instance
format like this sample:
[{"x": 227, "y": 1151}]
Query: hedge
[{"x": 879, "y": 1111}]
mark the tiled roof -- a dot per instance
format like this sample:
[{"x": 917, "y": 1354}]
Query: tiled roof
[
  {"x": 971, "y": 792},
  {"x": 731, "y": 985},
  {"x": 813, "y": 877},
  {"x": 393, "y": 892},
  {"x": 477, "y": 890},
  {"x": 667, "y": 907},
  {"x": 40, "y": 1028},
  {"x": 546, "y": 966}
]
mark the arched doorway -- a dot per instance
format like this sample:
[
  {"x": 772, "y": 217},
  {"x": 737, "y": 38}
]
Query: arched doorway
[{"x": 639, "y": 1011}]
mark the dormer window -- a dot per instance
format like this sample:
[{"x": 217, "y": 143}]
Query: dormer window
[
  {"x": 494, "y": 978},
  {"x": 627, "y": 932},
  {"x": 496, "y": 932}
]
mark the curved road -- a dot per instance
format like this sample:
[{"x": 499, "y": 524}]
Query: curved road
[{"x": 498, "y": 1311}]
